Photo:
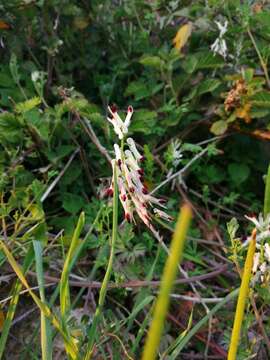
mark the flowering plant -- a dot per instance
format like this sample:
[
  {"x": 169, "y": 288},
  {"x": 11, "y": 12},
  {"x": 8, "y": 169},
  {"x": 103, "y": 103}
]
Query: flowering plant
[{"x": 127, "y": 166}]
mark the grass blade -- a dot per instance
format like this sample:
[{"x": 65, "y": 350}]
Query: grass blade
[
  {"x": 45, "y": 330},
  {"x": 168, "y": 277},
  {"x": 64, "y": 285},
  {"x": 243, "y": 294},
  {"x": 70, "y": 343},
  {"x": 201, "y": 323},
  {"x": 15, "y": 293},
  {"x": 266, "y": 209}
]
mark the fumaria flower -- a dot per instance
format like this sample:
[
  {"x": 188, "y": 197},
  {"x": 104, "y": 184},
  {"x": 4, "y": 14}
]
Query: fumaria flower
[
  {"x": 133, "y": 193},
  {"x": 220, "y": 46}
]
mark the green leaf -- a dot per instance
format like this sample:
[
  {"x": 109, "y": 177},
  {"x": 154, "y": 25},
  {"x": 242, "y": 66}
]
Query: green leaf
[
  {"x": 27, "y": 105},
  {"x": 143, "y": 121},
  {"x": 238, "y": 172},
  {"x": 262, "y": 98},
  {"x": 219, "y": 127},
  {"x": 152, "y": 61},
  {"x": 207, "y": 86},
  {"x": 72, "y": 203},
  {"x": 202, "y": 60}
]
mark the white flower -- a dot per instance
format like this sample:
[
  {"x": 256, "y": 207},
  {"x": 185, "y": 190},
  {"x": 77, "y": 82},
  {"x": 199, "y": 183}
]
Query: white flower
[
  {"x": 219, "y": 46},
  {"x": 262, "y": 225},
  {"x": 267, "y": 252},
  {"x": 133, "y": 194},
  {"x": 176, "y": 152},
  {"x": 256, "y": 260},
  {"x": 133, "y": 148},
  {"x": 222, "y": 28}
]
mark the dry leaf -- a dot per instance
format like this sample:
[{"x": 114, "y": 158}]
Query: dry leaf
[
  {"x": 4, "y": 25},
  {"x": 264, "y": 135},
  {"x": 244, "y": 113},
  {"x": 2, "y": 319},
  {"x": 182, "y": 36}
]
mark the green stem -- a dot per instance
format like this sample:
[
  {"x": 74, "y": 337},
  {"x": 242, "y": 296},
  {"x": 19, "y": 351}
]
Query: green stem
[{"x": 104, "y": 286}]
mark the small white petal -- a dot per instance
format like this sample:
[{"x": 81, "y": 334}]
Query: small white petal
[
  {"x": 267, "y": 251},
  {"x": 133, "y": 148},
  {"x": 128, "y": 117},
  {"x": 256, "y": 259}
]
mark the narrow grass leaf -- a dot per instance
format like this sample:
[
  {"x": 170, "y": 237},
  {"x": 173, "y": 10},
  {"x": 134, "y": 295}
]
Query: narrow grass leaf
[
  {"x": 199, "y": 325},
  {"x": 70, "y": 343},
  {"x": 64, "y": 285},
  {"x": 168, "y": 277},
  {"x": 45, "y": 330},
  {"x": 15, "y": 294},
  {"x": 267, "y": 194}
]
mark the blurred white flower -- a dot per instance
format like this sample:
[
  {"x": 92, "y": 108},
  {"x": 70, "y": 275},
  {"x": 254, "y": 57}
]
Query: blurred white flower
[{"x": 219, "y": 46}]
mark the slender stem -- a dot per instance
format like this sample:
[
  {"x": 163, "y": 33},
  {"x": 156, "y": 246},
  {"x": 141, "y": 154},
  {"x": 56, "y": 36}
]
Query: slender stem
[
  {"x": 104, "y": 286},
  {"x": 263, "y": 64}
]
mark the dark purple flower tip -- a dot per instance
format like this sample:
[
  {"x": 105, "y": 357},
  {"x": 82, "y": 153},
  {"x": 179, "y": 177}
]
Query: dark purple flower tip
[
  {"x": 162, "y": 201},
  {"x": 131, "y": 189},
  {"x": 109, "y": 192},
  {"x": 114, "y": 108},
  {"x": 142, "y": 159},
  {"x": 130, "y": 108},
  {"x": 141, "y": 172},
  {"x": 119, "y": 162},
  {"x": 128, "y": 217},
  {"x": 124, "y": 197},
  {"x": 145, "y": 190}
]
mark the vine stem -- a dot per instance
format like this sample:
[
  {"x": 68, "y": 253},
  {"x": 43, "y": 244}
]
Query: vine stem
[{"x": 104, "y": 286}]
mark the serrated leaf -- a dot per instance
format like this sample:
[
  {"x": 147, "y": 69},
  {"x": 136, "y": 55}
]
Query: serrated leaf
[
  {"x": 182, "y": 36},
  {"x": 207, "y": 86},
  {"x": 27, "y": 105},
  {"x": 262, "y": 98}
]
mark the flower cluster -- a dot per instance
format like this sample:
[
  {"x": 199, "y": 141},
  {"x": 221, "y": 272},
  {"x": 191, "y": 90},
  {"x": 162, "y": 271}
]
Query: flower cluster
[
  {"x": 262, "y": 226},
  {"x": 261, "y": 260},
  {"x": 133, "y": 193},
  {"x": 261, "y": 264},
  {"x": 220, "y": 46}
]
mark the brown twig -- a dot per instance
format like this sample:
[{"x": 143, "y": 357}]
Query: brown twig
[{"x": 135, "y": 283}]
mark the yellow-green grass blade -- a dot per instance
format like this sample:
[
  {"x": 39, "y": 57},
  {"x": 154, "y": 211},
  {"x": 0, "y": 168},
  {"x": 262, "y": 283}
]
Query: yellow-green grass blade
[
  {"x": 267, "y": 194},
  {"x": 70, "y": 343},
  {"x": 15, "y": 294},
  {"x": 45, "y": 331},
  {"x": 168, "y": 277},
  {"x": 241, "y": 302},
  {"x": 64, "y": 285}
]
